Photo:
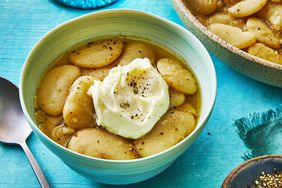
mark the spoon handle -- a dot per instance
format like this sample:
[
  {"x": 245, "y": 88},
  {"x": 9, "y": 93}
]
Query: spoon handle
[{"x": 40, "y": 176}]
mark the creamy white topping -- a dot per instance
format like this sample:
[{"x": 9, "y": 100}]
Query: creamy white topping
[{"x": 131, "y": 99}]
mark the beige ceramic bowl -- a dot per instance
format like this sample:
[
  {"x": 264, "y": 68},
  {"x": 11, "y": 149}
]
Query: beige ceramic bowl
[{"x": 247, "y": 64}]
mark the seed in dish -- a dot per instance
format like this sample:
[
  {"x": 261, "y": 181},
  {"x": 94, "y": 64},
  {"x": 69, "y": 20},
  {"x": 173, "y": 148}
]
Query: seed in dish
[
  {"x": 117, "y": 99},
  {"x": 245, "y": 24}
]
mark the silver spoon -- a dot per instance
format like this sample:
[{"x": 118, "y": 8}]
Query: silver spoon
[{"x": 14, "y": 129}]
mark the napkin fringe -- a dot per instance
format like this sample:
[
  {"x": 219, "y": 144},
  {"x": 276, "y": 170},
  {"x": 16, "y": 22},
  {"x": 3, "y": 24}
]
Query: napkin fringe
[{"x": 254, "y": 120}]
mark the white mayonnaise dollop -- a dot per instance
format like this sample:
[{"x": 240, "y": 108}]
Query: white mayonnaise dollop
[{"x": 131, "y": 99}]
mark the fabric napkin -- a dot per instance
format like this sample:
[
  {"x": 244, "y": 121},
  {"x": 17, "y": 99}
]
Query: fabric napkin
[{"x": 261, "y": 132}]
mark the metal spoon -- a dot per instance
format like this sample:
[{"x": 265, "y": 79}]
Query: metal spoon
[{"x": 14, "y": 129}]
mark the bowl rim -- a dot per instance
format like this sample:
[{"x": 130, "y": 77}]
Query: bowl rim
[
  {"x": 184, "y": 10},
  {"x": 243, "y": 165},
  {"x": 36, "y": 129}
]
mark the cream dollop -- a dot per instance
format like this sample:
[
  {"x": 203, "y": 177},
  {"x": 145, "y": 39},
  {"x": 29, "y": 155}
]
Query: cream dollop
[{"x": 131, "y": 99}]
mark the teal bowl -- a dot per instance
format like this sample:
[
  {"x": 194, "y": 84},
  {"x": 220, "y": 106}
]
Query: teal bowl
[{"x": 111, "y": 23}]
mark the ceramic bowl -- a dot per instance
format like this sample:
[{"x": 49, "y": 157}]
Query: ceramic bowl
[
  {"x": 247, "y": 64},
  {"x": 247, "y": 173},
  {"x": 111, "y": 23}
]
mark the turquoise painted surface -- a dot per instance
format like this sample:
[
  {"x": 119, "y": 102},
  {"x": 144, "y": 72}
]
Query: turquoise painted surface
[{"x": 205, "y": 164}]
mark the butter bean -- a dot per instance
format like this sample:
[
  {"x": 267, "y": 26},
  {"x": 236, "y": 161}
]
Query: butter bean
[
  {"x": 101, "y": 144},
  {"x": 171, "y": 129},
  {"x": 262, "y": 32},
  {"x": 135, "y": 50},
  {"x": 177, "y": 76},
  {"x": 54, "y": 88},
  {"x": 233, "y": 35},
  {"x": 246, "y": 8},
  {"x": 78, "y": 111},
  {"x": 97, "y": 54}
]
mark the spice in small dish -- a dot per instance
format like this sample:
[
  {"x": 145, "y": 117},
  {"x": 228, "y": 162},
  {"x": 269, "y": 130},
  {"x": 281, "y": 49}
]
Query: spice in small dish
[{"x": 266, "y": 180}]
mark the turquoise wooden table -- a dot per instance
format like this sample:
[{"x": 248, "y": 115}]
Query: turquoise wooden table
[{"x": 204, "y": 165}]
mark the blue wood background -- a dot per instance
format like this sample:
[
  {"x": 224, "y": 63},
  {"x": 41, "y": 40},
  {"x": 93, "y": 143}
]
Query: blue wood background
[{"x": 205, "y": 164}]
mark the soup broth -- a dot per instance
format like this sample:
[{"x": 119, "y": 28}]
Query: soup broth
[{"x": 65, "y": 111}]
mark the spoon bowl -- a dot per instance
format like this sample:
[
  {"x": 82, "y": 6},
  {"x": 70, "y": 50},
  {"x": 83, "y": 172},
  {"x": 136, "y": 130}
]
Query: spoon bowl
[
  {"x": 14, "y": 129},
  {"x": 13, "y": 126}
]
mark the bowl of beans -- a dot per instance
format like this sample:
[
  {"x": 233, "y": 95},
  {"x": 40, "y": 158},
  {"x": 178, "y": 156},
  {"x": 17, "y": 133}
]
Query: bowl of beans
[
  {"x": 245, "y": 34},
  {"x": 113, "y": 98}
]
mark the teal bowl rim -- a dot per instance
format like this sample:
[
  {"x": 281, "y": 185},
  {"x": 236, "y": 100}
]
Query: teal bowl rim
[{"x": 115, "y": 11}]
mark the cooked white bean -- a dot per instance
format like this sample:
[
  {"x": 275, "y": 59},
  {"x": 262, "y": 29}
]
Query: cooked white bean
[
  {"x": 54, "y": 88},
  {"x": 246, "y": 8},
  {"x": 101, "y": 144},
  {"x": 176, "y": 98},
  {"x": 99, "y": 73},
  {"x": 178, "y": 77},
  {"x": 262, "y": 32},
  {"x": 97, "y": 54},
  {"x": 62, "y": 134},
  {"x": 171, "y": 129},
  {"x": 265, "y": 52},
  {"x": 205, "y": 7},
  {"x": 135, "y": 50},
  {"x": 78, "y": 111},
  {"x": 272, "y": 12},
  {"x": 188, "y": 108},
  {"x": 233, "y": 35},
  {"x": 226, "y": 19},
  {"x": 231, "y": 2}
]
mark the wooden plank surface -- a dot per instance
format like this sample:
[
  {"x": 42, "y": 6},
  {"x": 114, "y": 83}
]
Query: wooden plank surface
[{"x": 205, "y": 164}]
